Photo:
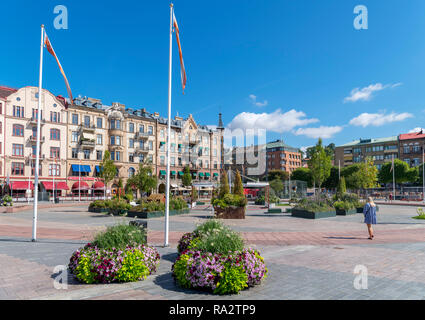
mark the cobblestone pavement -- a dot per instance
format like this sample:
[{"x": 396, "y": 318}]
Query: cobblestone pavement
[{"x": 307, "y": 259}]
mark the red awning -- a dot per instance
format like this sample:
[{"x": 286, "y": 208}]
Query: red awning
[
  {"x": 99, "y": 185},
  {"x": 48, "y": 185},
  {"x": 80, "y": 186},
  {"x": 21, "y": 185},
  {"x": 62, "y": 186}
]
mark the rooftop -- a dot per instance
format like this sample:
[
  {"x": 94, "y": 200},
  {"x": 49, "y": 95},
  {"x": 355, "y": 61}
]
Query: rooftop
[
  {"x": 280, "y": 144},
  {"x": 6, "y": 91},
  {"x": 413, "y": 135},
  {"x": 370, "y": 141}
]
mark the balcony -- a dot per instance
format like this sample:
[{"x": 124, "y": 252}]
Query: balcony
[
  {"x": 141, "y": 149},
  {"x": 87, "y": 143},
  {"x": 142, "y": 135},
  {"x": 33, "y": 139},
  {"x": 90, "y": 128},
  {"x": 33, "y": 121}
]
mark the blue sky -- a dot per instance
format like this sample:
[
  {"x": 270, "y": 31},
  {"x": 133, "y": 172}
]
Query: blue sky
[{"x": 291, "y": 67}]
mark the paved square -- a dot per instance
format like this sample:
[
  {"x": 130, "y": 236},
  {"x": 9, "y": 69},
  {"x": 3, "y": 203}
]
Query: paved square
[{"x": 307, "y": 259}]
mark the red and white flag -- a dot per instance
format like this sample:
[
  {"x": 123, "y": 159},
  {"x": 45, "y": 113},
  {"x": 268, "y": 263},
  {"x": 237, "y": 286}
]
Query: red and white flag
[
  {"x": 49, "y": 48},
  {"x": 182, "y": 71}
]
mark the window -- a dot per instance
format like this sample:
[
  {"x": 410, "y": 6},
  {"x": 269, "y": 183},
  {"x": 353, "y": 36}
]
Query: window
[
  {"x": 150, "y": 145},
  {"x": 99, "y": 139},
  {"x": 162, "y": 134},
  {"x": 17, "y": 169},
  {"x": 18, "y": 150},
  {"x": 99, "y": 123},
  {"x": 55, "y": 116},
  {"x": 99, "y": 155},
  {"x": 131, "y": 172},
  {"x": 131, "y": 127},
  {"x": 357, "y": 150},
  {"x": 130, "y": 157},
  {"x": 112, "y": 155},
  {"x": 86, "y": 153},
  {"x": 162, "y": 160},
  {"x": 142, "y": 128},
  {"x": 18, "y": 111},
  {"x": 141, "y": 157},
  {"x": 54, "y": 170},
  {"x": 416, "y": 149},
  {"x": 207, "y": 165},
  {"x": 115, "y": 124},
  {"x": 74, "y": 118},
  {"x": 74, "y": 136},
  {"x": 131, "y": 143},
  {"x": 54, "y": 152},
  {"x": 87, "y": 121},
  {"x": 74, "y": 153},
  {"x": 406, "y": 149},
  {"x": 118, "y": 156},
  {"x": 215, "y": 164},
  {"x": 150, "y": 130},
  {"x": 55, "y": 134},
  {"x": 173, "y": 161},
  {"x": 215, "y": 152},
  {"x": 33, "y": 168},
  {"x": 150, "y": 158},
  {"x": 35, "y": 114},
  {"x": 18, "y": 130},
  {"x": 112, "y": 140}
]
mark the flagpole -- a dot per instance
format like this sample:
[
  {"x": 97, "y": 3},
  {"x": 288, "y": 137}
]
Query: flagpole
[
  {"x": 393, "y": 178},
  {"x": 167, "y": 192},
  {"x": 37, "y": 148}
]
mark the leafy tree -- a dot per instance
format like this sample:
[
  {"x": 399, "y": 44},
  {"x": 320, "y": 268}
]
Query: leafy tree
[
  {"x": 365, "y": 177},
  {"x": 187, "y": 177},
  {"x": 402, "y": 172},
  {"x": 341, "y": 189},
  {"x": 330, "y": 150},
  {"x": 277, "y": 185},
  {"x": 320, "y": 164},
  {"x": 144, "y": 180},
  {"x": 224, "y": 185},
  {"x": 277, "y": 174},
  {"x": 332, "y": 181},
  {"x": 107, "y": 170},
  {"x": 302, "y": 174},
  {"x": 237, "y": 185}
]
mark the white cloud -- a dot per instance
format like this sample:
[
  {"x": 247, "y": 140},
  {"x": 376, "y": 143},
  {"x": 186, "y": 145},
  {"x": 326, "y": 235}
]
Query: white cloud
[
  {"x": 417, "y": 129},
  {"x": 378, "y": 119},
  {"x": 320, "y": 132},
  {"x": 365, "y": 93},
  {"x": 275, "y": 121},
  {"x": 254, "y": 101}
]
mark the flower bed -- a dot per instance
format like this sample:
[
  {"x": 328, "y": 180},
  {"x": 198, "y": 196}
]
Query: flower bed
[
  {"x": 213, "y": 258},
  {"x": 119, "y": 254},
  {"x": 94, "y": 265}
]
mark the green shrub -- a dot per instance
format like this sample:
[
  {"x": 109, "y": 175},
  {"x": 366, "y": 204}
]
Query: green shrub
[
  {"x": 215, "y": 237},
  {"x": 120, "y": 236},
  {"x": 179, "y": 269},
  {"x": 315, "y": 204},
  {"x": 133, "y": 267},
  {"x": 98, "y": 204},
  {"x": 128, "y": 197},
  {"x": 117, "y": 206},
  {"x": 232, "y": 280},
  {"x": 230, "y": 200},
  {"x": 343, "y": 205}
]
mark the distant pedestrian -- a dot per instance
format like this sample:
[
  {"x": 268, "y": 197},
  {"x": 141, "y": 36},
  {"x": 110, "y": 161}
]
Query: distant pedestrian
[
  {"x": 369, "y": 212},
  {"x": 390, "y": 197}
]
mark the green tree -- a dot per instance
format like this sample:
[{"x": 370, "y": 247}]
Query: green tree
[
  {"x": 332, "y": 181},
  {"x": 224, "y": 185},
  {"x": 277, "y": 174},
  {"x": 302, "y": 174},
  {"x": 320, "y": 164},
  {"x": 365, "y": 177},
  {"x": 144, "y": 179},
  {"x": 402, "y": 172},
  {"x": 107, "y": 170},
  {"x": 276, "y": 185},
  {"x": 341, "y": 189},
  {"x": 237, "y": 185},
  {"x": 187, "y": 177}
]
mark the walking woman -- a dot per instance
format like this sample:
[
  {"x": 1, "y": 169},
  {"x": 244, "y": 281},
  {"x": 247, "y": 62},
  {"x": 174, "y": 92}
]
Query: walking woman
[{"x": 369, "y": 212}]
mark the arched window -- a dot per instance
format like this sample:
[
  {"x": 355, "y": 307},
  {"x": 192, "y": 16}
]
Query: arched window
[
  {"x": 131, "y": 172},
  {"x": 18, "y": 130}
]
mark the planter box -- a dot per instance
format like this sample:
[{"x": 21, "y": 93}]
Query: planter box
[
  {"x": 346, "y": 212},
  {"x": 229, "y": 213},
  {"x": 118, "y": 212},
  {"x": 155, "y": 214},
  {"x": 274, "y": 210},
  {"x": 312, "y": 215},
  {"x": 99, "y": 210}
]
